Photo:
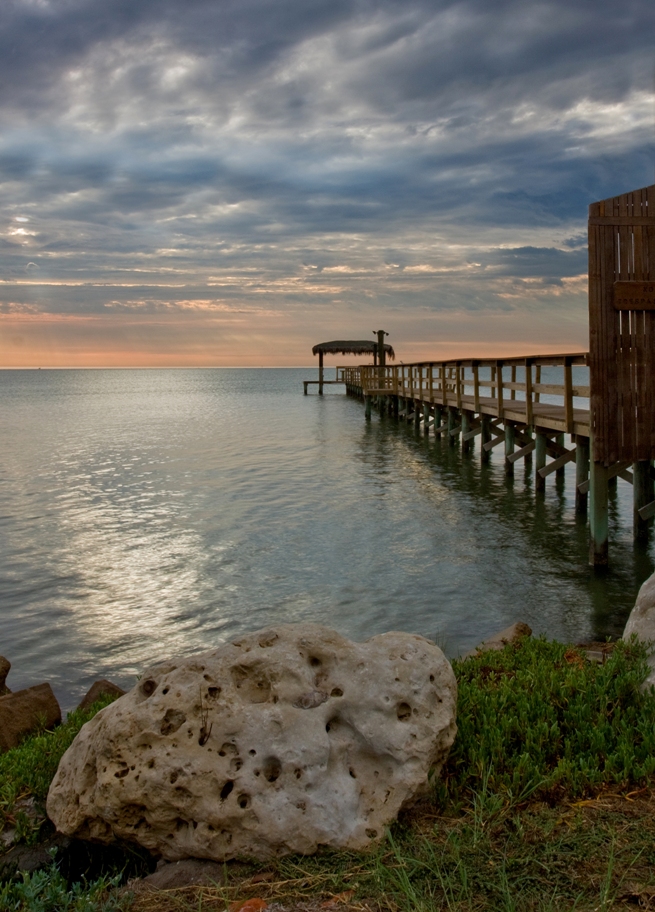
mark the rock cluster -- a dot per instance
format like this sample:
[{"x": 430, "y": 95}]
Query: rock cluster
[
  {"x": 283, "y": 741},
  {"x": 30, "y": 710}
]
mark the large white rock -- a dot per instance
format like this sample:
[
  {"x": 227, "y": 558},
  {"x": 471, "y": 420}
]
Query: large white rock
[
  {"x": 285, "y": 740},
  {"x": 642, "y": 622}
]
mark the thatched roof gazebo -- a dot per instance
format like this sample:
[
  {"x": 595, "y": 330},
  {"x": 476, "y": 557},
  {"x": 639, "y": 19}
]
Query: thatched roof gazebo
[
  {"x": 380, "y": 351},
  {"x": 360, "y": 347}
]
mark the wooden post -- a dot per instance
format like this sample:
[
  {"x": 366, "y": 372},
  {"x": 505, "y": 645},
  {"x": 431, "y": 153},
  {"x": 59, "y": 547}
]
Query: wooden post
[
  {"x": 559, "y": 473},
  {"x": 527, "y": 459},
  {"x": 485, "y": 437},
  {"x": 417, "y": 415},
  {"x": 452, "y": 423},
  {"x": 426, "y": 418},
  {"x": 540, "y": 460},
  {"x": 368, "y": 402},
  {"x": 642, "y": 493},
  {"x": 510, "y": 438},
  {"x": 320, "y": 373},
  {"x": 395, "y": 407},
  {"x": 466, "y": 427},
  {"x": 476, "y": 387},
  {"x": 382, "y": 361},
  {"x": 598, "y": 509},
  {"x": 598, "y": 514},
  {"x": 529, "y": 415},
  {"x": 581, "y": 473},
  {"x": 568, "y": 395},
  {"x": 438, "y": 419}
]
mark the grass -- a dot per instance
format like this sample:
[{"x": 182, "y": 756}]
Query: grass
[
  {"x": 545, "y": 804},
  {"x": 27, "y": 771}
]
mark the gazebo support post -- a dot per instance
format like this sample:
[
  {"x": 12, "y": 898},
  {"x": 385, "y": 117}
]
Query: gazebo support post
[{"x": 320, "y": 373}]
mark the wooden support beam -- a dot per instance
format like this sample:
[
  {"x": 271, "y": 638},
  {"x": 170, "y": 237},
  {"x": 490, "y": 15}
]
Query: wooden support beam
[
  {"x": 473, "y": 432},
  {"x": 438, "y": 420},
  {"x": 540, "y": 460},
  {"x": 510, "y": 440},
  {"x": 524, "y": 451},
  {"x": 648, "y": 511},
  {"x": 426, "y": 418},
  {"x": 320, "y": 373},
  {"x": 485, "y": 431},
  {"x": 453, "y": 427},
  {"x": 466, "y": 427},
  {"x": 417, "y": 415},
  {"x": 368, "y": 400},
  {"x": 598, "y": 514},
  {"x": 476, "y": 386},
  {"x": 560, "y": 469},
  {"x": 490, "y": 444},
  {"x": 568, "y": 395},
  {"x": 557, "y": 464},
  {"x": 581, "y": 474},
  {"x": 528, "y": 393},
  {"x": 643, "y": 493}
]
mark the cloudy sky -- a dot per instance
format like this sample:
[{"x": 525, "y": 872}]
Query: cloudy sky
[{"x": 230, "y": 181}]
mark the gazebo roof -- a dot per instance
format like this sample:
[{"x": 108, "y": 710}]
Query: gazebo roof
[{"x": 361, "y": 347}]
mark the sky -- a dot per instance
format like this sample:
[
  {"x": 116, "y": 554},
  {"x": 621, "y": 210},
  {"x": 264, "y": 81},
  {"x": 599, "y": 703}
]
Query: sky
[{"x": 228, "y": 182}]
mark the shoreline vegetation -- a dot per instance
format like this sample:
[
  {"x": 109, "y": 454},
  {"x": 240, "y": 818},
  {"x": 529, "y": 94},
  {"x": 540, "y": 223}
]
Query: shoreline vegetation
[{"x": 546, "y": 803}]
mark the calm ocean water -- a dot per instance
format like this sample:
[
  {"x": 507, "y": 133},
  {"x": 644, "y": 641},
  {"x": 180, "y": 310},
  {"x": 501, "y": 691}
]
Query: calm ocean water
[{"x": 156, "y": 512}]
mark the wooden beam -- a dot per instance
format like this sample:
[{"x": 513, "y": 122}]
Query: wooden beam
[
  {"x": 490, "y": 444},
  {"x": 473, "y": 432},
  {"x": 648, "y": 511},
  {"x": 556, "y": 464},
  {"x": 524, "y": 451},
  {"x": 581, "y": 473},
  {"x": 540, "y": 460}
]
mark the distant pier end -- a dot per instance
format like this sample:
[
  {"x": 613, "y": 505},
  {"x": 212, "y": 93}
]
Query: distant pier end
[{"x": 380, "y": 351}]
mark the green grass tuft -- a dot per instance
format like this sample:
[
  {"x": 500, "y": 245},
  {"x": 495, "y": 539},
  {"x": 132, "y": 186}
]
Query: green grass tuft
[
  {"x": 28, "y": 769},
  {"x": 538, "y": 718}
]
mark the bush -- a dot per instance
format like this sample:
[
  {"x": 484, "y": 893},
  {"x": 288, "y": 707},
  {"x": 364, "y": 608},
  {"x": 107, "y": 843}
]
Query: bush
[{"x": 539, "y": 718}]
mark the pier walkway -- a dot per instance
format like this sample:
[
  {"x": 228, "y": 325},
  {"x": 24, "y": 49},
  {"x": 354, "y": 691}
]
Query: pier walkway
[{"x": 603, "y": 400}]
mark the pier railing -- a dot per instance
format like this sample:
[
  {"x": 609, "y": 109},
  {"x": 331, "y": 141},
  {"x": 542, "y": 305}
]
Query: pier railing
[{"x": 519, "y": 389}]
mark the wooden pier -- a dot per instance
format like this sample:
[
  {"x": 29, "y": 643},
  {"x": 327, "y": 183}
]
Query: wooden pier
[{"x": 530, "y": 405}]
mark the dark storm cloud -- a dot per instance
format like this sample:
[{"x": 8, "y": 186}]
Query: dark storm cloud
[{"x": 414, "y": 147}]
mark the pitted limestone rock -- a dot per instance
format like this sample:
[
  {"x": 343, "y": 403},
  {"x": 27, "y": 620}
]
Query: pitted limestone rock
[{"x": 285, "y": 740}]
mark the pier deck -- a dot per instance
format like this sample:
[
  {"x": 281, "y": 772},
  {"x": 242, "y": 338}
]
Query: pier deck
[{"x": 610, "y": 417}]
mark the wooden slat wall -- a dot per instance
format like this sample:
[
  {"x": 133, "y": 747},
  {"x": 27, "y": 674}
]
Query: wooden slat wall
[{"x": 621, "y": 343}]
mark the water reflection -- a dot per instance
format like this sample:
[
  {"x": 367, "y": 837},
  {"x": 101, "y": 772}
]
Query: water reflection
[{"x": 147, "y": 513}]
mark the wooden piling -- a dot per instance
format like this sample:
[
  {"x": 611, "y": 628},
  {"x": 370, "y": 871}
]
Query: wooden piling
[
  {"x": 598, "y": 510},
  {"x": 643, "y": 493},
  {"x": 467, "y": 445},
  {"x": 510, "y": 440},
  {"x": 485, "y": 437},
  {"x": 581, "y": 473},
  {"x": 540, "y": 441},
  {"x": 452, "y": 424},
  {"x": 561, "y": 472},
  {"x": 320, "y": 373}
]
